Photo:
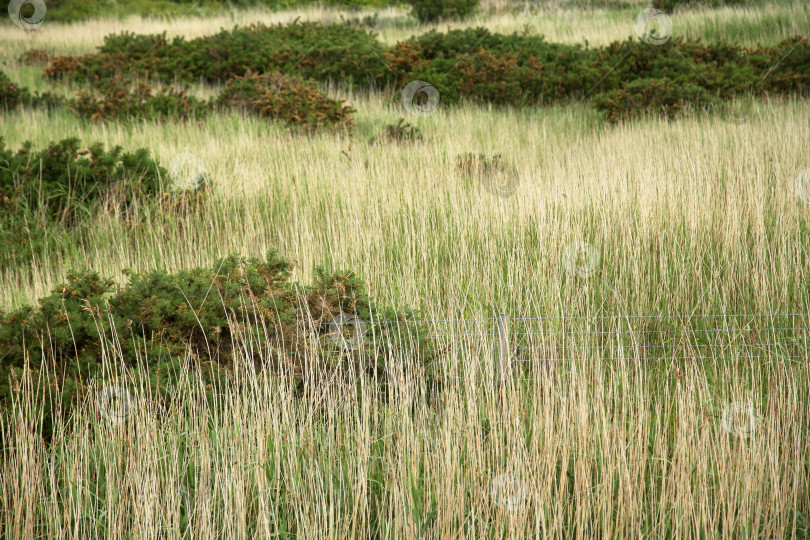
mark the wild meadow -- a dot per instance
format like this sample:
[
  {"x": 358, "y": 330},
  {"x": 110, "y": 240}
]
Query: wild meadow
[{"x": 522, "y": 298}]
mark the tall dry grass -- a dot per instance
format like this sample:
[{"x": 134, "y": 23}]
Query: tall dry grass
[{"x": 585, "y": 449}]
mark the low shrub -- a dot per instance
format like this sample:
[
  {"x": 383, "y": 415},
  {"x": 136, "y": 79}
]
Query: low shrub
[
  {"x": 122, "y": 100},
  {"x": 48, "y": 101},
  {"x": 11, "y": 95},
  {"x": 427, "y": 11},
  {"x": 286, "y": 98},
  {"x": 34, "y": 57},
  {"x": 470, "y": 64},
  {"x": 660, "y": 97},
  {"x": 205, "y": 317},
  {"x": 401, "y": 132},
  {"x": 65, "y": 67},
  {"x": 309, "y": 50},
  {"x": 49, "y": 192}
]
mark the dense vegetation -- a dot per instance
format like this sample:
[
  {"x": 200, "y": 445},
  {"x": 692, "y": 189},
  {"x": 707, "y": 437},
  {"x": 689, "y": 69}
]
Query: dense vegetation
[
  {"x": 158, "y": 321},
  {"x": 653, "y": 360},
  {"x": 471, "y": 64},
  {"x": 434, "y": 10},
  {"x": 48, "y": 195},
  {"x": 275, "y": 96},
  {"x": 423, "y": 10},
  {"x": 238, "y": 310},
  {"x": 74, "y": 10},
  {"x": 285, "y": 98},
  {"x": 12, "y": 95}
]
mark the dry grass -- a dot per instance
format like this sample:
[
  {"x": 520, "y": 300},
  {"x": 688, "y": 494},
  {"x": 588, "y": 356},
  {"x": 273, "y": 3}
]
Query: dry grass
[{"x": 587, "y": 450}]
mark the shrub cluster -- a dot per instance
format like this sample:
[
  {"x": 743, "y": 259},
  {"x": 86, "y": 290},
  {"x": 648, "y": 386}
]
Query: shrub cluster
[
  {"x": 275, "y": 96},
  {"x": 208, "y": 317},
  {"x": 309, "y": 50},
  {"x": 469, "y": 64},
  {"x": 11, "y": 95},
  {"x": 519, "y": 70},
  {"x": 651, "y": 97},
  {"x": 50, "y": 192}
]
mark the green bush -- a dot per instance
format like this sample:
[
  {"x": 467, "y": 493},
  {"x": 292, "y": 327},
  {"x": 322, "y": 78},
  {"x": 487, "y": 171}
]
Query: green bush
[
  {"x": 471, "y": 64},
  {"x": 34, "y": 57},
  {"x": 286, "y": 98},
  {"x": 308, "y": 50},
  {"x": 428, "y": 11},
  {"x": 47, "y": 193},
  {"x": 206, "y": 317},
  {"x": 660, "y": 97},
  {"x": 122, "y": 100},
  {"x": 11, "y": 95}
]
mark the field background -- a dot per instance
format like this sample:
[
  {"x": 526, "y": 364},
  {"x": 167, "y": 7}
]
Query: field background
[{"x": 695, "y": 216}]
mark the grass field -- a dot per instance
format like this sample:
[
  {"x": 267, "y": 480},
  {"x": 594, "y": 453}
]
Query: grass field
[{"x": 698, "y": 216}]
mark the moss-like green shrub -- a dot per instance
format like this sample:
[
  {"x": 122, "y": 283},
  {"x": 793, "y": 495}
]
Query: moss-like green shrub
[{"x": 287, "y": 99}]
